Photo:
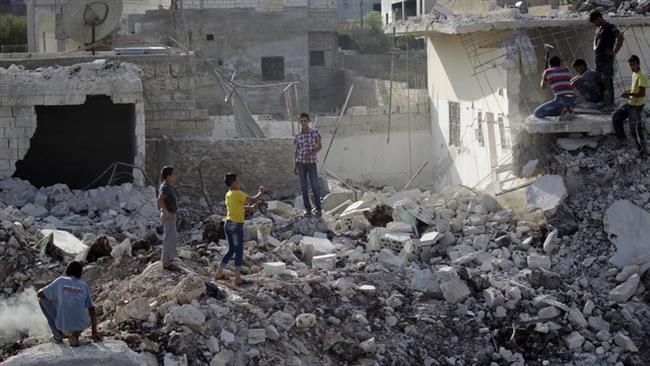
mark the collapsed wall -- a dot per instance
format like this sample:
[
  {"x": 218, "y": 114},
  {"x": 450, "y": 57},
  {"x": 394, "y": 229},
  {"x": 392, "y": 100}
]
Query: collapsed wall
[
  {"x": 258, "y": 162},
  {"x": 68, "y": 121}
]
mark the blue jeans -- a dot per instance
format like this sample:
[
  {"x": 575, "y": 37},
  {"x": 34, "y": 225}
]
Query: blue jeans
[
  {"x": 554, "y": 107},
  {"x": 306, "y": 170},
  {"x": 588, "y": 92},
  {"x": 235, "y": 235},
  {"x": 633, "y": 114}
]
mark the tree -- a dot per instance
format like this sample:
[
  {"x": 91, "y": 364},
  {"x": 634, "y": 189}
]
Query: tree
[
  {"x": 13, "y": 30},
  {"x": 370, "y": 39}
]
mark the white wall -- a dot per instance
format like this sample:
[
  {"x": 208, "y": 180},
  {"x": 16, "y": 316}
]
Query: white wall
[{"x": 450, "y": 80}]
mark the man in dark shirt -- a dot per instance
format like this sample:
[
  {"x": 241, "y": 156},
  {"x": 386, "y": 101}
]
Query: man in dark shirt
[
  {"x": 607, "y": 42},
  {"x": 168, "y": 209},
  {"x": 586, "y": 82}
]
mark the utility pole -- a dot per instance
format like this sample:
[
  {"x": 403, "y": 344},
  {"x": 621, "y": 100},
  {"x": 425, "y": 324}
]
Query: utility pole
[{"x": 361, "y": 13}]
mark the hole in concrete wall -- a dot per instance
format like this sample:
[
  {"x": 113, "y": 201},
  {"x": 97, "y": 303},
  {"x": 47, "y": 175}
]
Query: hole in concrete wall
[
  {"x": 75, "y": 144},
  {"x": 209, "y": 37}
]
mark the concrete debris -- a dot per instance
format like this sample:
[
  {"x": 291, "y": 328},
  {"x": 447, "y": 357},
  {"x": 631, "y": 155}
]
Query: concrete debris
[
  {"x": 547, "y": 193},
  {"x": 627, "y": 226},
  {"x": 624, "y": 291},
  {"x": 456, "y": 265},
  {"x": 529, "y": 169},
  {"x": 107, "y": 353},
  {"x": 571, "y": 144}
]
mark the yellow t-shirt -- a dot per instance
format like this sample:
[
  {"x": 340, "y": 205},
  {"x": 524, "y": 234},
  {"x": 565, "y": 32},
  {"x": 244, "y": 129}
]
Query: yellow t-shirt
[
  {"x": 639, "y": 79},
  {"x": 235, "y": 201}
]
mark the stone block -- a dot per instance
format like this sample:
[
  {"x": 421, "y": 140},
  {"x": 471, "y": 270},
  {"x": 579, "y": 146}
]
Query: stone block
[
  {"x": 538, "y": 261},
  {"x": 390, "y": 260},
  {"x": 312, "y": 247},
  {"x": 54, "y": 100},
  {"x": 6, "y": 122},
  {"x": 256, "y": 336},
  {"x": 454, "y": 290},
  {"x": 574, "y": 340},
  {"x": 625, "y": 290},
  {"x": 274, "y": 268},
  {"x": 625, "y": 342},
  {"x": 6, "y": 112},
  {"x": 547, "y": 193},
  {"x": 325, "y": 262},
  {"x": 493, "y": 297}
]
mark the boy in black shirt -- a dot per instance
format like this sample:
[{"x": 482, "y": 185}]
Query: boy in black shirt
[{"x": 608, "y": 40}]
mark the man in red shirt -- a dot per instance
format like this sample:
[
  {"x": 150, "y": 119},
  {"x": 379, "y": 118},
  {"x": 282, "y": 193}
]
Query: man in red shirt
[{"x": 559, "y": 79}]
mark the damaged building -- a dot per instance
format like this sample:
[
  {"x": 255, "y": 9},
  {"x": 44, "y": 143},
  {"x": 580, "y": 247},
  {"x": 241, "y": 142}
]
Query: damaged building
[
  {"x": 456, "y": 229},
  {"x": 484, "y": 69}
]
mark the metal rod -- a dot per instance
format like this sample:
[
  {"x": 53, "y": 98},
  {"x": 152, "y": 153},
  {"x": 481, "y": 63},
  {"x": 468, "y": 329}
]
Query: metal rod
[
  {"x": 338, "y": 123},
  {"x": 415, "y": 176},
  {"x": 390, "y": 91}
]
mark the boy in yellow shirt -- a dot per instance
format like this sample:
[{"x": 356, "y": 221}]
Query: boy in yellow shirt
[
  {"x": 633, "y": 109},
  {"x": 237, "y": 202}
]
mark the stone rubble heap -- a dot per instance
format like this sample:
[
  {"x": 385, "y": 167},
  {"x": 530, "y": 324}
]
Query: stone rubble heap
[{"x": 385, "y": 277}]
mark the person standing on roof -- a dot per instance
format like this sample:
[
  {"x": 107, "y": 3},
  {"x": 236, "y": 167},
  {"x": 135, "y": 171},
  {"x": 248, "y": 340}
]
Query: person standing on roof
[
  {"x": 607, "y": 42},
  {"x": 559, "y": 78}
]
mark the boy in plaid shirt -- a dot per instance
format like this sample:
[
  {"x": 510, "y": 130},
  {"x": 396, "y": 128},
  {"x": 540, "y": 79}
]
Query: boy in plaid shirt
[{"x": 308, "y": 145}]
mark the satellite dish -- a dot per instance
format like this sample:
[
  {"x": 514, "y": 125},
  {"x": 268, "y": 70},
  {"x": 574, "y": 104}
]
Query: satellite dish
[{"x": 88, "y": 21}]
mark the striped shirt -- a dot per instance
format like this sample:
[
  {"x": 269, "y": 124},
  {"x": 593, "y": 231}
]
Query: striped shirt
[{"x": 560, "y": 80}]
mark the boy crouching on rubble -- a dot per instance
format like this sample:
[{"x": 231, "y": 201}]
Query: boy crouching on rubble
[
  {"x": 237, "y": 202},
  {"x": 68, "y": 307}
]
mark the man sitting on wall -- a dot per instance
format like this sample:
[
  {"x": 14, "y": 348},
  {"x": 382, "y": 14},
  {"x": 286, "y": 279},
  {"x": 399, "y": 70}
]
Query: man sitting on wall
[
  {"x": 559, "y": 78},
  {"x": 586, "y": 82}
]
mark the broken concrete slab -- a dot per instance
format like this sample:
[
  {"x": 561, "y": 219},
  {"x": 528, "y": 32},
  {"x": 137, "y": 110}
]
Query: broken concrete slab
[
  {"x": 390, "y": 260},
  {"x": 274, "y": 268},
  {"x": 628, "y": 228},
  {"x": 65, "y": 241},
  {"x": 412, "y": 194},
  {"x": 325, "y": 262},
  {"x": 106, "y": 353},
  {"x": 529, "y": 168},
  {"x": 312, "y": 246},
  {"x": 335, "y": 199},
  {"x": 625, "y": 290},
  {"x": 572, "y": 144},
  {"x": 547, "y": 193}
]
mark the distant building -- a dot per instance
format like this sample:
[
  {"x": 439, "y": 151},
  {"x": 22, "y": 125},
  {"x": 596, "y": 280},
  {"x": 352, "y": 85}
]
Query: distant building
[{"x": 355, "y": 9}]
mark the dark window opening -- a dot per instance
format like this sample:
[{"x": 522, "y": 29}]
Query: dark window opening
[
  {"x": 316, "y": 58},
  {"x": 479, "y": 129},
  {"x": 502, "y": 134},
  {"x": 454, "y": 124},
  {"x": 273, "y": 68},
  {"x": 75, "y": 144},
  {"x": 209, "y": 37},
  {"x": 376, "y": 7}
]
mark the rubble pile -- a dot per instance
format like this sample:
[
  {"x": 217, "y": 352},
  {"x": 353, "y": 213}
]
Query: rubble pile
[
  {"x": 127, "y": 210},
  {"x": 610, "y": 8},
  {"x": 455, "y": 277}
]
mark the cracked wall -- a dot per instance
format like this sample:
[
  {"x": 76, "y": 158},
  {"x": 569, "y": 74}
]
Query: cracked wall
[{"x": 21, "y": 91}]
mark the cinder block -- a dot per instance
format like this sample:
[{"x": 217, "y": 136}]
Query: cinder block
[
  {"x": 273, "y": 268},
  {"x": 26, "y": 121},
  {"x": 7, "y": 122},
  {"x": 6, "y": 112},
  {"x": 11, "y": 132},
  {"x": 325, "y": 262}
]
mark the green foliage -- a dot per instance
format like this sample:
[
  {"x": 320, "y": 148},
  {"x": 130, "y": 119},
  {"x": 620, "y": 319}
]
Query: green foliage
[
  {"x": 370, "y": 39},
  {"x": 13, "y": 30}
]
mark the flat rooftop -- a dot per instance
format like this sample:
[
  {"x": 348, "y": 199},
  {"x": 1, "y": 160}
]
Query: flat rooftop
[{"x": 464, "y": 24}]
